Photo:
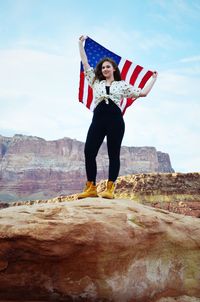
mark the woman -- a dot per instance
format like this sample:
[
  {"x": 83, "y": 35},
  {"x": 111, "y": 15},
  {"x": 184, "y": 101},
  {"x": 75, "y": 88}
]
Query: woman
[{"x": 108, "y": 90}]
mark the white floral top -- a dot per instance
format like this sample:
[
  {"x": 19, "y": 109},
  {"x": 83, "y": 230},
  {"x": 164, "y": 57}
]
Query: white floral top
[{"x": 118, "y": 89}]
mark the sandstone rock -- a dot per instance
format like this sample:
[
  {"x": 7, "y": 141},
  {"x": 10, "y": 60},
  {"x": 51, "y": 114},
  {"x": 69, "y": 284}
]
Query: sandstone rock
[
  {"x": 157, "y": 187},
  {"x": 33, "y": 168},
  {"x": 191, "y": 208},
  {"x": 98, "y": 250}
]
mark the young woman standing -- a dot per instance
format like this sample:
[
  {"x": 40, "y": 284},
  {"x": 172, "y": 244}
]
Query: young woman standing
[{"x": 108, "y": 90}]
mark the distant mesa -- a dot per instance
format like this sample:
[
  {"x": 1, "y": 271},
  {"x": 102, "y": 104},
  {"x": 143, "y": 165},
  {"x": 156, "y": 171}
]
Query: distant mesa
[{"x": 33, "y": 168}]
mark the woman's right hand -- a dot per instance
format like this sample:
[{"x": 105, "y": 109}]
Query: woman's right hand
[
  {"x": 82, "y": 38},
  {"x": 83, "y": 54}
]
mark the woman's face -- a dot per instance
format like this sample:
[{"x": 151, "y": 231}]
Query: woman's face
[{"x": 107, "y": 69}]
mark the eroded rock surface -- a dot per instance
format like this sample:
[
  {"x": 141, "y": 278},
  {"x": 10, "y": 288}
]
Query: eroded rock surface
[{"x": 98, "y": 250}]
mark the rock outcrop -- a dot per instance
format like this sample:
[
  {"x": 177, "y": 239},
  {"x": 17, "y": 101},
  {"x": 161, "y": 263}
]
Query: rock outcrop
[
  {"x": 175, "y": 192},
  {"x": 98, "y": 250},
  {"x": 33, "y": 168},
  {"x": 151, "y": 187}
]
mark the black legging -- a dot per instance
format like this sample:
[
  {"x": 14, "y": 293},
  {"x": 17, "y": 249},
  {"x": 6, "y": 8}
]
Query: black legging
[{"x": 107, "y": 121}]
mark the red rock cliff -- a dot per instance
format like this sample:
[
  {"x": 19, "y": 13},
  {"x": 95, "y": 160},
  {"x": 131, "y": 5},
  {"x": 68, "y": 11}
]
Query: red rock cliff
[{"x": 33, "y": 168}]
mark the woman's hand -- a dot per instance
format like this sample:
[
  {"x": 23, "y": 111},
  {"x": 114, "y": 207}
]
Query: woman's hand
[
  {"x": 155, "y": 74},
  {"x": 83, "y": 54},
  {"x": 148, "y": 87},
  {"x": 82, "y": 38}
]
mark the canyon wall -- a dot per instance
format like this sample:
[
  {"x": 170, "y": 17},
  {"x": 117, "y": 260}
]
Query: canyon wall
[{"x": 33, "y": 168}]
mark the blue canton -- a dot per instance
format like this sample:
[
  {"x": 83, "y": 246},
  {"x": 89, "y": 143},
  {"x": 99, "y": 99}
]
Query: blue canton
[{"x": 95, "y": 52}]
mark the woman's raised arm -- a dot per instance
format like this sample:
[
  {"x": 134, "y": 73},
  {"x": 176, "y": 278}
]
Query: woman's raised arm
[
  {"x": 147, "y": 88},
  {"x": 83, "y": 55}
]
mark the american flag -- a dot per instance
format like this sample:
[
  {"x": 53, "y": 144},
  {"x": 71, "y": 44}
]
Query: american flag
[{"x": 133, "y": 74}]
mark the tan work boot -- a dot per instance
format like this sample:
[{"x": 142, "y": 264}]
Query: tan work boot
[
  {"x": 89, "y": 191},
  {"x": 109, "y": 192}
]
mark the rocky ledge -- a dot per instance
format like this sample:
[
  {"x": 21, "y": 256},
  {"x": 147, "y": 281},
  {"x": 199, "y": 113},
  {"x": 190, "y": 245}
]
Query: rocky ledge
[
  {"x": 98, "y": 250},
  {"x": 175, "y": 192}
]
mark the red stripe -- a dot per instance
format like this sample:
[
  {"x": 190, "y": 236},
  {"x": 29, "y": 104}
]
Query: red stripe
[
  {"x": 145, "y": 79},
  {"x": 125, "y": 69},
  {"x": 81, "y": 87},
  {"x": 135, "y": 74},
  {"x": 90, "y": 97},
  {"x": 128, "y": 103}
]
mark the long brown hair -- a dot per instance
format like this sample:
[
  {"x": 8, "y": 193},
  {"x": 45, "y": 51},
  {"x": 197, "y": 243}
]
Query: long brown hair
[{"x": 98, "y": 70}]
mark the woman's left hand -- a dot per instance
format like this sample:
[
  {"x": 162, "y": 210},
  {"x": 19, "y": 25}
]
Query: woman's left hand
[{"x": 155, "y": 74}]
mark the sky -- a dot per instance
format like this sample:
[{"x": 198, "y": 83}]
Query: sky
[{"x": 39, "y": 70}]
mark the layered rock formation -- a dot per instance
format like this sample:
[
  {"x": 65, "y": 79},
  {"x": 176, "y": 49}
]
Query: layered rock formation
[
  {"x": 98, "y": 250},
  {"x": 33, "y": 168},
  {"x": 175, "y": 192},
  {"x": 157, "y": 187}
]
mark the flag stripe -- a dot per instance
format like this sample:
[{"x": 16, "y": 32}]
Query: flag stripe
[
  {"x": 130, "y": 73},
  {"x": 145, "y": 79},
  {"x": 81, "y": 86},
  {"x": 123, "y": 105},
  {"x": 140, "y": 77},
  {"x": 135, "y": 74},
  {"x": 85, "y": 92},
  {"x": 121, "y": 64},
  {"x": 125, "y": 69},
  {"x": 129, "y": 102},
  {"x": 90, "y": 97}
]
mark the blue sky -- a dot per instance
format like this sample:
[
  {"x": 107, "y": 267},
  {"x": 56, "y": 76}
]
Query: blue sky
[{"x": 39, "y": 69}]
